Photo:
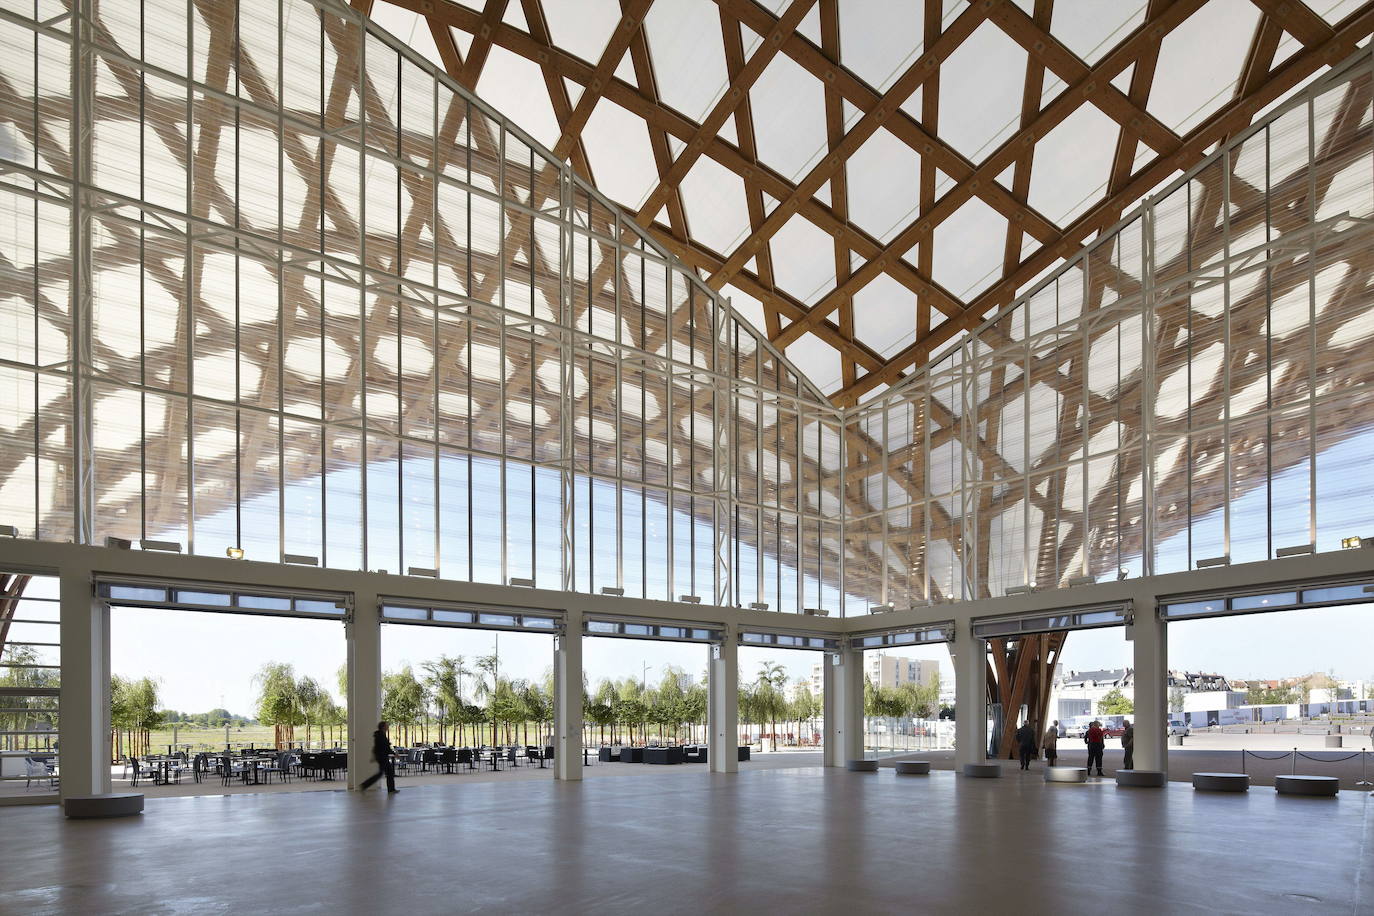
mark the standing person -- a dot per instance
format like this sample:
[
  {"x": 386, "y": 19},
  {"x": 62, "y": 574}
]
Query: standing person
[
  {"x": 1096, "y": 740},
  {"x": 1128, "y": 747},
  {"x": 381, "y": 750},
  {"x": 1025, "y": 739},
  {"x": 1051, "y": 743}
]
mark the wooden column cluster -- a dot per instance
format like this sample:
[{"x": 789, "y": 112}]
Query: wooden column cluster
[{"x": 1021, "y": 673}]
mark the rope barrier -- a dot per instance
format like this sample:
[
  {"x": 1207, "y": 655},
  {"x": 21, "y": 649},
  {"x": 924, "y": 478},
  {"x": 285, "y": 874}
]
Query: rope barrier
[
  {"x": 1284, "y": 756},
  {"x": 1328, "y": 759}
]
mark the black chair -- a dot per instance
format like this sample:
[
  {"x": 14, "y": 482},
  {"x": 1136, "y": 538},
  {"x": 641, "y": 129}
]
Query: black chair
[
  {"x": 446, "y": 758},
  {"x": 511, "y": 758},
  {"x": 464, "y": 755},
  {"x": 229, "y": 769},
  {"x": 532, "y": 754}
]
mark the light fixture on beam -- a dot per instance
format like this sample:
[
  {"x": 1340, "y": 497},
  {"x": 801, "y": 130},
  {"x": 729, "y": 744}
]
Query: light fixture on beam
[
  {"x": 422, "y": 571},
  {"x": 1353, "y": 543},
  {"x": 815, "y": 612},
  {"x": 521, "y": 582},
  {"x": 1297, "y": 550},
  {"x": 1223, "y": 560},
  {"x": 1014, "y": 590},
  {"x": 758, "y": 605},
  {"x": 234, "y": 553},
  {"x": 9, "y": 531},
  {"x": 1122, "y": 574},
  {"x": 164, "y": 546},
  {"x": 1082, "y": 580},
  {"x": 880, "y": 608},
  {"x": 689, "y": 599},
  {"x": 300, "y": 559},
  {"x": 613, "y": 591}
]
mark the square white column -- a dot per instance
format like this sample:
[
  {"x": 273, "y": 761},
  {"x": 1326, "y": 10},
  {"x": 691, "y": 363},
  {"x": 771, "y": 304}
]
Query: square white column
[
  {"x": 970, "y": 696},
  {"x": 84, "y": 697},
  {"x": 722, "y": 720},
  {"x": 567, "y": 699},
  {"x": 1150, "y": 641},
  {"x": 363, "y": 632},
  {"x": 843, "y": 687}
]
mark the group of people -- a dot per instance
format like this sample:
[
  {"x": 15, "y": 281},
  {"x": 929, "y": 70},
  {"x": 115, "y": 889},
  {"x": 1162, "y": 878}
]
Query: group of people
[{"x": 1095, "y": 737}]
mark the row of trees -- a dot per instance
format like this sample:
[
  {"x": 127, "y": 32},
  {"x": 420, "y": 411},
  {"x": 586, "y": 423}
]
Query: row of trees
[{"x": 27, "y": 713}]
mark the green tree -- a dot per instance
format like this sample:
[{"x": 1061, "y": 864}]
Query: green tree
[
  {"x": 1176, "y": 699},
  {"x": 769, "y": 703},
  {"x": 1115, "y": 703},
  {"x": 442, "y": 679},
  {"x": 403, "y": 700},
  {"x": 26, "y": 713},
  {"x": 309, "y": 696},
  {"x": 804, "y": 707},
  {"x": 278, "y": 703}
]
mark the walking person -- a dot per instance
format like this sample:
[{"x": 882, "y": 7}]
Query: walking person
[
  {"x": 1051, "y": 743},
  {"x": 381, "y": 750},
  {"x": 1128, "y": 747},
  {"x": 1096, "y": 740},
  {"x": 1025, "y": 740}
]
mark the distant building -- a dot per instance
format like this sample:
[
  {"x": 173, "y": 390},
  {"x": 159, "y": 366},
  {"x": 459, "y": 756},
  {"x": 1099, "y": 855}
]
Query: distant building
[
  {"x": 891, "y": 671},
  {"x": 1078, "y": 693}
]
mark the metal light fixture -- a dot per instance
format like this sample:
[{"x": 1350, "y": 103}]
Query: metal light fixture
[
  {"x": 300, "y": 559},
  {"x": 521, "y": 582},
  {"x": 1082, "y": 580},
  {"x": 234, "y": 553},
  {"x": 1298, "y": 550},
  {"x": 1013, "y": 590},
  {"x": 164, "y": 546},
  {"x": 118, "y": 543},
  {"x": 1352, "y": 543},
  {"x": 1223, "y": 560},
  {"x": 758, "y": 605},
  {"x": 1122, "y": 573},
  {"x": 422, "y": 571},
  {"x": 613, "y": 591},
  {"x": 689, "y": 599},
  {"x": 9, "y": 531}
]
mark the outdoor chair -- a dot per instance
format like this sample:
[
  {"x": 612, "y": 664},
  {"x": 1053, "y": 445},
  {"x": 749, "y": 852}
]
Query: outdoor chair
[
  {"x": 142, "y": 772},
  {"x": 511, "y": 758},
  {"x": 229, "y": 769},
  {"x": 464, "y": 756},
  {"x": 38, "y": 769},
  {"x": 446, "y": 758},
  {"x": 309, "y": 765}
]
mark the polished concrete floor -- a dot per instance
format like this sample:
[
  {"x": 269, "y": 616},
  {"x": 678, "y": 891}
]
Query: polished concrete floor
[{"x": 806, "y": 840}]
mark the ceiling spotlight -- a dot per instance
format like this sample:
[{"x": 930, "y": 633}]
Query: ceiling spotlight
[
  {"x": 689, "y": 599},
  {"x": 613, "y": 591},
  {"x": 521, "y": 582},
  {"x": 118, "y": 543},
  {"x": 1122, "y": 573},
  {"x": 234, "y": 553}
]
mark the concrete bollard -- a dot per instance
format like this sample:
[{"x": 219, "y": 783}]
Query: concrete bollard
[
  {"x": 1176, "y": 741},
  {"x": 1333, "y": 740}
]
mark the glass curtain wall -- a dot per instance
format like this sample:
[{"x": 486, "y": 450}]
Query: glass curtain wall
[
  {"x": 269, "y": 281},
  {"x": 1193, "y": 386}
]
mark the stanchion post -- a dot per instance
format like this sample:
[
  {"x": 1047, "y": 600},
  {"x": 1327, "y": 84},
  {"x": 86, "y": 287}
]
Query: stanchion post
[{"x": 1295, "y": 761}]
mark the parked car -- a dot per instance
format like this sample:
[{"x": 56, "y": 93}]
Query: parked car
[
  {"x": 1074, "y": 731},
  {"x": 1113, "y": 731},
  {"x": 1178, "y": 727}
]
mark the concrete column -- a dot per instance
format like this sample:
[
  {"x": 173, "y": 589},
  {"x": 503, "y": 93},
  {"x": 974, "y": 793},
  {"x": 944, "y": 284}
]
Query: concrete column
[
  {"x": 84, "y": 726},
  {"x": 843, "y": 686},
  {"x": 364, "y": 635},
  {"x": 567, "y": 700},
  {"x": 1151, "y": 687},
  {"x": 722, "y": 719},
  {"x": 970, "y": 696}
]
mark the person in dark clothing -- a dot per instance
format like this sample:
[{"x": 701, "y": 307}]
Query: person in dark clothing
[
  {"x": 381, "y": 750},
  {"x": 1025, "y": 740},
  {"x": 1128, "y": 747},
  {"x": 1096, "y": 740}
]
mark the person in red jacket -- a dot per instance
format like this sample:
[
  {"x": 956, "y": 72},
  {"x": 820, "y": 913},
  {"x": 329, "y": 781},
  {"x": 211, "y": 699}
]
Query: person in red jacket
[{"x": 1097, "y": 740}]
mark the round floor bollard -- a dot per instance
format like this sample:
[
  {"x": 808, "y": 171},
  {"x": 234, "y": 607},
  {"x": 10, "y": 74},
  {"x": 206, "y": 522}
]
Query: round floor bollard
[
  {"x": 1221, "y": 782},
  {"x": 1176, "y": 741},
  {"x": 1066, "y": 774},
  {"x": 1144, "y": 779},
  {"x": 114, "y": 804},
  {"x": 982, "y": 770},
  {"x": 862, "y": 766},
  {"x": 912, "y": 767},
  {"x": 1334, "y": 741},
  {"x": 1318, "y": 786}
]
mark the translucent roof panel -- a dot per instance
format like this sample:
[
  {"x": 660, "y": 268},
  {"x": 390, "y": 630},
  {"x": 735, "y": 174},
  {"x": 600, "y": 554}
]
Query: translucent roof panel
[{"x": 1043, "y": 104}]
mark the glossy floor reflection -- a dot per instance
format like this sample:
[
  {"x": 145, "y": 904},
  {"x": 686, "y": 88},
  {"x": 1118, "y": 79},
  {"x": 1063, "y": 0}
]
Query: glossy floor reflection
[{"x": 770, "y": 840}]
